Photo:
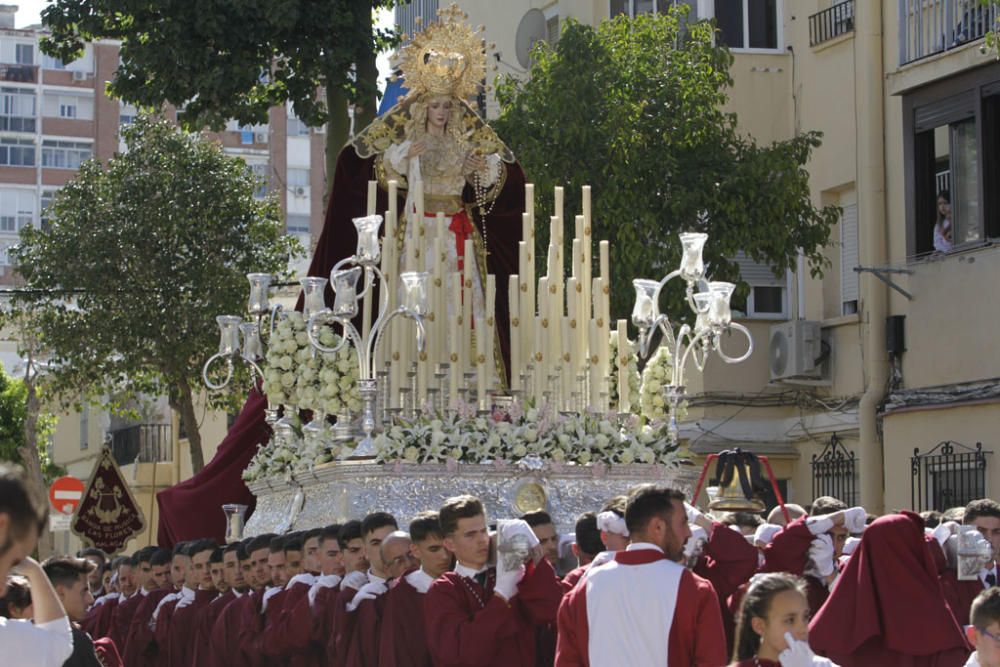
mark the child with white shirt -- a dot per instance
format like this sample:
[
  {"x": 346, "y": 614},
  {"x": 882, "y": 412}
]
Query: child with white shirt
[{"x": 984, "y": 634}]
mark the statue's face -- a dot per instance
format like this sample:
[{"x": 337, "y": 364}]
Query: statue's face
[{"x": 438, "y": 112}]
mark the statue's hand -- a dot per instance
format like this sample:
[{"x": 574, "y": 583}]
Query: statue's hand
[
  {"x": 417, "y": 148},
  {"x": 473, "y": 163}
]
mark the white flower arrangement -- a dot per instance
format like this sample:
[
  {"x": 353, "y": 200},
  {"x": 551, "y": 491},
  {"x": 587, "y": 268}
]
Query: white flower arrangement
[
  {"x": 300, "y": 377},
  {"x": 633, "y": 372},
  {"x": 525, "y": 435},
  {"x": 656, "y": 374}
]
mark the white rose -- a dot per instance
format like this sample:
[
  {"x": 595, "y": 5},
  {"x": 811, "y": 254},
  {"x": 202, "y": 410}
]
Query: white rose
[
  {"x": 532, "y": 415},
  {"x": 558, "y": 455},
  {"x": 563, "y": 439},
  {"x": 584, "y": 457},
  {"x": 519, "y": 451},
  {"x": 530, "y": 435},
  {"x": 437, "y": 438},
  {"x": 332, "y": 406},
  {"x": 455, "y": 453},
  {"x": 287, "y": 380},
  {"x": 411, "y": 454},
  {"x": 627, "y": 457}
]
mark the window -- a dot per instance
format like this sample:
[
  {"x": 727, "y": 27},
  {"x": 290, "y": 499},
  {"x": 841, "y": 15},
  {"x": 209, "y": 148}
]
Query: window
[
  {"x": 848, "y": 260},
  {"x": 552, "y": 29},
  {"x": 297, "y": 224},
  {"x": 47, "y": 197},
  {"x": 17, "y": 110},
  {"x": 17, "y": 153},
  {"x": 5, "y": 253},
  {"x": 298, "y": 182},
  {"x": 51, "y": 62},
  {"x": 17, "y": 210},
  {"x": 296, "y": 127},
  {"x": 246, "y": 135},
  {"x": 65, "y": 154},
  {"x": 633, "y": 8},
  {"x": 768, "y": 294},
  {"x": 748, "y": 24},
  {"x": 263, "y": 174},
  {"x": 67, "y": 108},
  {"x": 24, "y": 54},
  {"x": 952, "y": 138}
]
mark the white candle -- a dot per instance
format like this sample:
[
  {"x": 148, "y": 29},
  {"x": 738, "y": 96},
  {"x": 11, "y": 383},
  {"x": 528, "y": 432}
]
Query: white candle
[
  {"x": 529, "y": 198},
  {"x": 438, "y": 325},
  {"x": 576, "y": 261},
  {"x": 605, "y": 261},
  {"x": 568, "y": 375},
  {"x": 594, "y": 368},
  {"x": 372, "y": 189},
  {"x": 468, "y": 282},
  {"x": 516, "y": 336},
  {"x": 577, "y": 326},
  {"x": 482, "y": 372},
  {"x": 601, "y": 340},
  {"x": 558, "y": 208},
  {"x": 527, "y": 227},
  {"x": 489, "y": 331},
  {"x": 455, "y": 338},
  {"x": 555, "y": 248},
  {"x": 585, "y": 203},
  {"x": 624, "y": 404},
  {"x": 394, "y": 199},
  {"x": 541, "y": 372}
]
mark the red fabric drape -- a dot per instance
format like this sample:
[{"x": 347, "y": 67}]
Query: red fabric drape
[{"x": 193, "y": 508}]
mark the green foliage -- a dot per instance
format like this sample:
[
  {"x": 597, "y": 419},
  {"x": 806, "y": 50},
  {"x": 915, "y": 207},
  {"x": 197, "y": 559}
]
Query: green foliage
[
  {"x": 227, "y": 59},
  {"x": 634, "y": 108},
  {"x": 122, "y": 290},
  {"x": 13, "y": 412}
]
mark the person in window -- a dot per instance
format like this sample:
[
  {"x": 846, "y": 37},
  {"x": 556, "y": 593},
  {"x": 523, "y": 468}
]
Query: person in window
[{"x": 942, "y": 228}]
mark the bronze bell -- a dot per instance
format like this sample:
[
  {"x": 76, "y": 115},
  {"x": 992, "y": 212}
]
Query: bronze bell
[
  {"x": 739, "y": 478},
  {"x": 732, "y": 499}
]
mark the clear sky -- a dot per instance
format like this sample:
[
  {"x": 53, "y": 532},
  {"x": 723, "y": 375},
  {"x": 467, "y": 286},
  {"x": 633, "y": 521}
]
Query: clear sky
[{"x": 29, "y": 13}]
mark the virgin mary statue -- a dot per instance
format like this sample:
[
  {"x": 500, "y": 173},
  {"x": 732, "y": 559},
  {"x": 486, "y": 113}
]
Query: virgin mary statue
[{"x": 433, "y": 141}]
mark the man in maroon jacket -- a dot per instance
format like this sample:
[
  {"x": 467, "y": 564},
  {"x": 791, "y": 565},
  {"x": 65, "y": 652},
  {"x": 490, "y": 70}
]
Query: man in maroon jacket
[
  {"x": 234, "y": 558},
  {"x": 225, "y": 649},
  {"x": 475, "y": 617}
]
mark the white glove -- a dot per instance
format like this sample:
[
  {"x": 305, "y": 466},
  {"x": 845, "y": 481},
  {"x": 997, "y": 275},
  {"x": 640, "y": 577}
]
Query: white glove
[
  {"x": 694, "y": 543},
  {"x": 324, "y": 581},
  {"x": 944, "y": 531},
  {"x": 367, "y": 592},
  {"x": 508, "y": 528},
  {"x": 609, "y": 522},
  {"x": 602, "y": 558},
  {"x": 765, "y": 533},
  {"x": 819, "y": 524},
  {"x": 854, "y": 520},
  {"x": 693, "y": 513},
  {"x": 268, "y": 594},
  {"x": 821, "y": 555},
  {"x": 850, "y": 545},
  {"x": 507, "y": 582},
  {"x": 798, "y": 654},
  {"x": 355, "y": 580}
]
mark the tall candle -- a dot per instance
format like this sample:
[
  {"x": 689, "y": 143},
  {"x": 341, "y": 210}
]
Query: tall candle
[
  {"x": 438, "y": 326},
  {"x": 488, "y": 332},
  {"x": 605, "y": 261},
  {"x": 386, "y": 259},
  {"x": 394, "y": 199},
  {"x": 456, "y": 338},
  {"x": 594, "y": 369},
  {"x": 576, "y": 261},
  {"x": 418, "y": 229},
  {"x": 601, "y": 340},
  {"x": 624, "y": 404},
  {"x": 468, "y": 283},
  {"x": 585, "y": 203},
  {"x": 555, "y": 247},
  {"x": 577, "y": 325},
  {"x": 529, "y": 199},
  {"x": 527, "y": 227},
  {"x": 516, "y": 330},
  {"x": 482, "y": 367},
  {"x": 372, "y": 189},
  {"x": 366, "y": 301},
  {"x": 541, "y": 372},
  {"x": 558, "y": 208},
  {"x": 557, "y": 311},
  {"x": 568, "y": 375}
]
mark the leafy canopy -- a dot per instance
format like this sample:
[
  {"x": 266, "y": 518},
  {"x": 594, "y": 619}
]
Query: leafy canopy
[
  {"x": 141, "y": 255},
  {"x": 13, "y": 413},
  {"x": 633, "y": 108},
  {"x": 227, "y": 58}
]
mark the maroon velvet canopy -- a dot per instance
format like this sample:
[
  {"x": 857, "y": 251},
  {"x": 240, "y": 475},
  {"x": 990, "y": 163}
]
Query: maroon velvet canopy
[{"x": 193, "y": 509}]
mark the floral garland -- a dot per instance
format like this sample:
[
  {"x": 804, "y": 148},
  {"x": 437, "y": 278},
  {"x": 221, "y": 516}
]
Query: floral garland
[
  {"x": 529, "y": 436},
  {"x": 633, "y": 372},
  {"x": 300, "y": 377},
  {"x": 657, "y": 372}
]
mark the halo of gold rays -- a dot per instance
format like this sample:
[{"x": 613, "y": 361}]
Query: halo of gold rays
[{"x": 446, "y": 57}]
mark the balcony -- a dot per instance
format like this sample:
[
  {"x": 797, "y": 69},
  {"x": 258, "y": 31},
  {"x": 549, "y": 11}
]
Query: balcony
[
  {"x": 142, "y": 443},
  {"x": 927, "y": 27},
  {"x": 19, "y": 73},
  {"x": 831, "y": 23}
]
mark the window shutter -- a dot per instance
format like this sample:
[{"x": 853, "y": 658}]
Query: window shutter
[
  {"x": 942, "y": 112},
  {"x": 757, "y": 274},
  {"x": 849, "y": 254}
]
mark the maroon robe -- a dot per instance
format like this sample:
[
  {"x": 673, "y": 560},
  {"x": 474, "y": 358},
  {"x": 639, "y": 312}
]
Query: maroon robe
[
  {"x": 364, "y": 647},
  {"x": 140, "y": 647},
  {"x": 727, "y": 561},
  {"x": 251, "y": 627},
  {"x": 305, "y": 628},
  {"x": 107, "y": 652},
  {"x": 161, "y": 633},
  {"x": 183, "y": 636},
  {"x": 573, "y": 577},
  {"x": 402, "y": 639},
  {"x": 98, "y": 621},
  {"x": 696, "y": 633},
  {"x": 224, "y": 649},
  {"x": 963, "y": 592},
  {"x": 204, "y": 623},
  {"x": 121, "y": 619},
  {"x": 887, "y": 607},
  {"x": 341, "y": 630},
  {"x": 469, "y": 626}
]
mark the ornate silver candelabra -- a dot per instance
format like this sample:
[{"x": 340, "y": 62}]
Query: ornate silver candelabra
[
  {"x": 344, "y": 280},
  {"x": 713, "y": 317}
]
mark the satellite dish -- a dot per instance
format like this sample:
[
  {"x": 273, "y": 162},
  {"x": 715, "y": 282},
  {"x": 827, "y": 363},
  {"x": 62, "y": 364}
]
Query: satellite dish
[{"x": 531, "y": 29}]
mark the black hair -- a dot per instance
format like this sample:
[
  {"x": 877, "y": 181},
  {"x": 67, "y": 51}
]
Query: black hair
[
  {"x": 277, "y": 544},
  {"x": 93, "y": 551},
  {"x": 143, "y": 555},
  {"x": 160, "y": 557},
  {"x": 985, "y": 608},
  {"x": 331, "y": 532},
  {"x": 260, "y": 542},
  {"x": 756, "y": 604},
  {"x": 239, "y": 548},
  {"x": 310, "y": 534},
  {"x": 648, "y": 501},
  {"x": 535, "y": 519},
  {"x": 349, "y": 531},
  {"x": 216, "y": 556},
  {"x": 377, "y": 520},
  {"x": 293, "y": 544},
  {"x": 981, "y": 507},
  {"x": 424, "y": 525},
  {"x": 66, "y": 570},
  {"x": 198, "y": 546},
  {"x": 18, "y": 596},
  {"x": 588, "y": 536},
  {"x": 27, "y": 514},
  {"x": 826, "y": 505}
]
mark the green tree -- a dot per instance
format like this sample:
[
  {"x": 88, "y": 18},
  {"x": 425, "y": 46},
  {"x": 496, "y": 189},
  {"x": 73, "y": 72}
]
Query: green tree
[
  {"x": 142, "y": 254},
  {"x": 634, "y": 108},
  {"x": 222, "y": 60},
  {"x": 17, "y": 418}
]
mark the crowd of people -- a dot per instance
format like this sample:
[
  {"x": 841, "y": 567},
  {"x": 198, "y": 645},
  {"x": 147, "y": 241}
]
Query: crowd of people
[{"x": 653, "y": 581}]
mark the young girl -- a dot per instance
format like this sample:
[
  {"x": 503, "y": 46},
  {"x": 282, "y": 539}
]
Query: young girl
[{"x": 772, "y": 627}]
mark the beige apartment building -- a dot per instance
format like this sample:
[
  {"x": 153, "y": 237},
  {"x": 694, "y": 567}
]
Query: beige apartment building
[
  {"x": 55, "y": 115},
  {"x": 877, "y": 383}
]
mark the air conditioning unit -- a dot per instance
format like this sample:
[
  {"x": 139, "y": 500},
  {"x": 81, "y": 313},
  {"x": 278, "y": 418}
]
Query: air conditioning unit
[
  {"x": 794, "y": 349},
  {"x": 260, "y": 137},
  {"x": 80, "y": 76},
  {"x": 300, "y": 191}
]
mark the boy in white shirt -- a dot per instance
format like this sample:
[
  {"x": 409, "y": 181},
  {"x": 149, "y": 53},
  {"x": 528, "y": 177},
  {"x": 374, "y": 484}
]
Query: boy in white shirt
[{"x": 984, "y": 633}]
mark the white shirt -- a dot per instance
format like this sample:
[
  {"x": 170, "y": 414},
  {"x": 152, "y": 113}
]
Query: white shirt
[
  {"x": 27, "y": 645},
  {"x": 468, "y": 572},
  {"x": 420, "y": 580}
]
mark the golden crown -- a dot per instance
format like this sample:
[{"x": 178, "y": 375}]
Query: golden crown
[{"x": 447, "y": 57}]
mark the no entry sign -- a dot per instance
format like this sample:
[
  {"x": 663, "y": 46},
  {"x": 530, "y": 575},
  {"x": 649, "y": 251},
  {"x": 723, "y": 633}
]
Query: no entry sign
[{"x": 65, "y": 494}]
